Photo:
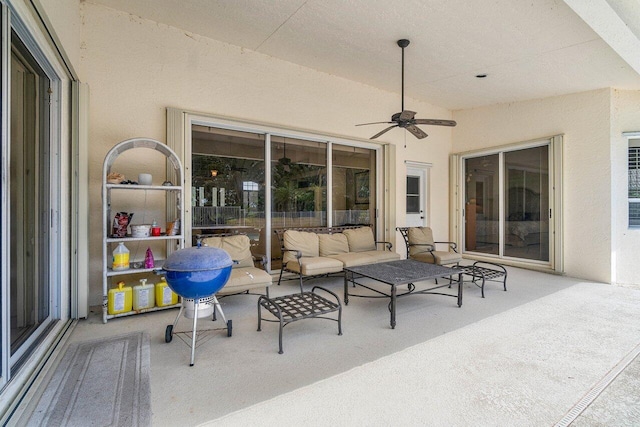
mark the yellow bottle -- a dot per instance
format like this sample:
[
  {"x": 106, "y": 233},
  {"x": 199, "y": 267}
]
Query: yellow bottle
[
  {"x": 164, "y": 295},
  {"x": 120, "y": 257},
  {"x": 143, "y": 296},
  {"x": 120, "y": 300}
]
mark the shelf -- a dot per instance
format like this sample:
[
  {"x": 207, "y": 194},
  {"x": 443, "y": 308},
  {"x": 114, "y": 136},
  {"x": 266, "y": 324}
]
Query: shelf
[
  {"x": 143, "y": 187},
  {"x": 173, "y": 196},
  {"x": 144, "y": 310},
  {"x": 158, "y": 265},
  {"x": 141, "y": 239}
]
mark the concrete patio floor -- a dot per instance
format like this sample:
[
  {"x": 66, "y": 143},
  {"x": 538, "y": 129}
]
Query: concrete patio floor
[{"x": 522, "y": 357}]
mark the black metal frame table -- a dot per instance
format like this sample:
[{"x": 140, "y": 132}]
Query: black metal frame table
[
  {"x": 397, "y": 273},
  {"x": 479, "y": 270},
  {"x": 302, "y": 305}
]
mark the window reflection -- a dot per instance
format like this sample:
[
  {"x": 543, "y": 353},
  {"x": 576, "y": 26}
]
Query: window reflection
[
  {"x": 354, "y": 177},
  {"x": 227, "y": 182}
]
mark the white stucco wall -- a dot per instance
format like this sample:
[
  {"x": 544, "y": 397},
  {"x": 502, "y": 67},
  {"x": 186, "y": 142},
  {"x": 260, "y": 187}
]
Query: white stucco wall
[
  {"x": 626, "y": 242},
  {"x": 584, "y": 119},
  {"x": 64, "y": 16},
  {"x": 136, "y": 68}
]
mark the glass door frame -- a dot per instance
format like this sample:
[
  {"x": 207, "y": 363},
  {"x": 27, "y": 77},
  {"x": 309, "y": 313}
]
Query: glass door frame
[
  {"x": 458, "y": 190},
  {"x": 16, "y": 368}
]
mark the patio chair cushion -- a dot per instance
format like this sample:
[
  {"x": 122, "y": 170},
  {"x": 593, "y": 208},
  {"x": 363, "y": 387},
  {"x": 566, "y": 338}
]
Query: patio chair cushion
[
  {"x": 236, "y": 246},
  {"x": 333, "y": 244},
  {"x": 441, "y": 257},
  {"x": 312, "y": 266},
  {"x": 422, "y": 236},
  {"x": 244, "y": 279},
  {"x": 305, "y": 242},
  {"x": 360, "y": 239}
]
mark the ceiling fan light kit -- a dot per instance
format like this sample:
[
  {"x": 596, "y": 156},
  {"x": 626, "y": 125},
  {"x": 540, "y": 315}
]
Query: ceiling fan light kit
[{"x": 405, "y": 118}]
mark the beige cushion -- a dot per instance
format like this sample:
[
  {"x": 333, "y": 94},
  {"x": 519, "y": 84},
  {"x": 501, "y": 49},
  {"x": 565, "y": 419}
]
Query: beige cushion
[
  {"x": 360, "y": 239},
  {"x": 441, "y": 257},
  {"x": 312, "y": 266},
  {"x": 382, "y": 256},
  {"x": 303, "y": 241},
  {"x": 244, "y": 279},
  {"x": 332, "y": 244},
  {"x": 421, "y": 236},
  {"x": 353, "y": 259},
  {"x": 236, "y": 246}
]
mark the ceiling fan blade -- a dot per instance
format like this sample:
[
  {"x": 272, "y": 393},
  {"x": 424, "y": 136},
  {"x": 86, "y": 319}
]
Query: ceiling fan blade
[
  {"x": 407, "y": 115},
  {"x": 383, "y": 131},
  {"x": 416, "y": 131},
  {"x": 436, "y": 122},
  {"x": 374, "y": 123}
]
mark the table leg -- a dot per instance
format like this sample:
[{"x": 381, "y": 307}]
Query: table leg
[
  {"x": 393, "y": 306},
  {"x": 346, "y": 287},
  {"x": 460, "y": 287}
]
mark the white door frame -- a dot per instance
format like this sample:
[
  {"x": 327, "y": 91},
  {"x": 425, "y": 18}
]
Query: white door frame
[{"x": 421, "y": 170}]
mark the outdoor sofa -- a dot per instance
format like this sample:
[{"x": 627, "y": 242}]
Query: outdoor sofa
[{"x": 321, "y": 251}]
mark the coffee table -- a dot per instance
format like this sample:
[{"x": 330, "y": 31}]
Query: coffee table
[{"x": 397, "y": 273}]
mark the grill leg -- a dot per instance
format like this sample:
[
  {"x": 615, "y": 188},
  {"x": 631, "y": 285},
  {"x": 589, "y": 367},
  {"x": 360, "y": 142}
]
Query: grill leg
[
  {"x": 218, "y": 307},
  {"x": 193, "y": 336},
  {"x": 175, "y": 322}
]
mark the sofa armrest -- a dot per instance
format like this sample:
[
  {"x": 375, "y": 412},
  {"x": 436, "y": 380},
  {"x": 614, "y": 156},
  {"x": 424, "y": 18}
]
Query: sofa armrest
[
  {"x": 388, "y": 245},
  {"x": 262, "y": 258},
  {"x": 298, "y": 253}
]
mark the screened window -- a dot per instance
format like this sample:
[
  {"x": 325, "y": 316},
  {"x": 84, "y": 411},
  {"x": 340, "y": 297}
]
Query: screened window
[{"x": 634, "y": 183}]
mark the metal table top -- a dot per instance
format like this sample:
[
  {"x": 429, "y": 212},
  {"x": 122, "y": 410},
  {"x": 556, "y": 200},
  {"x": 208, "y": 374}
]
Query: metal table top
[{"x": 403, "y": 271}]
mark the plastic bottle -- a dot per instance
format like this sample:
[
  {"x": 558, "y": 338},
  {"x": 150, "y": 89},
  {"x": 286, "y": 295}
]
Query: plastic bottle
[
  {"x": 148, "y": 259},
  {"x": 155, "y": 228},
  {"x": 143, "y": 295},
  {"x": 164, "y": 295},
  {"x": 120, "y": 257},
  {"x": 120, "y": 299}
]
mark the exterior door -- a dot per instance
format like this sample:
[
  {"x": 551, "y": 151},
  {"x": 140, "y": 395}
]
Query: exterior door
[{"x": 416, "y": 201}]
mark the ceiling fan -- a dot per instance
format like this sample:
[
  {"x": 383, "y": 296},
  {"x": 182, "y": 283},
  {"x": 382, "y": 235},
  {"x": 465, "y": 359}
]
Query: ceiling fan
[{"x": 405, "y": 118}]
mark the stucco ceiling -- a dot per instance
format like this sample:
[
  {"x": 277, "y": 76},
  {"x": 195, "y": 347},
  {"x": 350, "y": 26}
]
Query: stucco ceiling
[{"x": 528, "y": 49}]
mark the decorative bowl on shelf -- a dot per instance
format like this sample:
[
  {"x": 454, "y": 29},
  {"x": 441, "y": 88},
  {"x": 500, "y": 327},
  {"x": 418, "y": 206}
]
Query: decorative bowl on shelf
[{"x": 115, "y": 178}]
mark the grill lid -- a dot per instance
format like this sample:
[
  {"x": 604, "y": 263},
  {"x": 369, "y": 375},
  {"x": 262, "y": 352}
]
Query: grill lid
[{"x": 197, "y": 259}]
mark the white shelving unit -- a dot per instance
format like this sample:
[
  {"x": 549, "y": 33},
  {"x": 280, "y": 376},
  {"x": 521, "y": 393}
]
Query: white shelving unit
[{"x": 174, "y": 196}]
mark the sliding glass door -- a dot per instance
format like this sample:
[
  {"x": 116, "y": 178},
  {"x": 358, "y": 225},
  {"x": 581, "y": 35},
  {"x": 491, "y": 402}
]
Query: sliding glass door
[
  {"x": 233, "y": 190},
  {"x": 29, "y": 204},
  {"x": 507, "y": 203}
]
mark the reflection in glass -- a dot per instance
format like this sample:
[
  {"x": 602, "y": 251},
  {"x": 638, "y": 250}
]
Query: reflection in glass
[
  {"x": 413, "y": 194},
  {"x": 29, "y": 199},
  {"x": 227, "y": 183},
  {"x": 299, "y": 183},
  {"x": 354, "y": 177},
  {"x": 526, "y": 226},
  {"x": 482, "y": 204}
]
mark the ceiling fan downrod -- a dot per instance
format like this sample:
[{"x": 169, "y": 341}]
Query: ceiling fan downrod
[{"x": 403, "y": 43}]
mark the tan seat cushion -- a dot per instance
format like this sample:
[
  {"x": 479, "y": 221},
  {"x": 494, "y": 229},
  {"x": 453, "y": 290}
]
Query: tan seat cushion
[
  {"x": 360, "y": 239},
  {"x": 303, "y": 241},
  {"x": 353, "y": 259},
  {"x": 244, "y": 279},
  {"x": 312, "y": 266},
  {"x": 383, "y": 256},
  {"x": 441, "y": 257},
  {"x": 236, "y": 246},
  {"x": 332, "y": 244},
  {"x": 420, "y": 236}
]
